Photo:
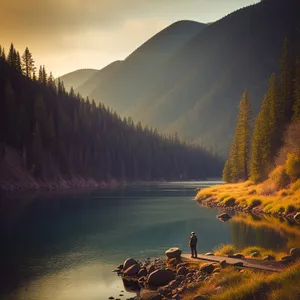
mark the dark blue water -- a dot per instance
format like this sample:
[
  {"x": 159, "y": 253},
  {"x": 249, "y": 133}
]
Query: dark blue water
[{"x": 64, "y": 247}]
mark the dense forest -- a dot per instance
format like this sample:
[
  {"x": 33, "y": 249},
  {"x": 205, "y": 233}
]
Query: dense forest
[
  {"x": 57, "y": 133},
  {"x": 270, "y": 146}
]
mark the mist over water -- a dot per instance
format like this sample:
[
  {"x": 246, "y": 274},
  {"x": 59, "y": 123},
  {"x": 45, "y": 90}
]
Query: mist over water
[{"x": 64, "y": 247}]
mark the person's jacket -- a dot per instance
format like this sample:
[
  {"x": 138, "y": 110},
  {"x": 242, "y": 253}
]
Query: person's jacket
[{"x": 193, "y": 241}]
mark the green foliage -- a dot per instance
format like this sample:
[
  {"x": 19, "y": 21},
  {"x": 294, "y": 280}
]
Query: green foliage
[
  {"x": 236, "y": 167},
  {"x": 280, "y": 177},
  {"x": 296, "y": 106},
  {"x": 265, "y": 135},
  {"x": 293, "y": 166}
]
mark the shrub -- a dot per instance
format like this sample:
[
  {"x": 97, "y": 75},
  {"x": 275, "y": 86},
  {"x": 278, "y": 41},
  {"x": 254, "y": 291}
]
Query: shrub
[
  {"x": 296, "y": 185},
  {"x": 255, "y": 202},
  {"x": 229, "y": 202},
  {"x": 290, "y": 208},
  {"x": 224, "y": 250},
  {"x": 279, "y": 177},
  {"x": 293, "y": 166}
]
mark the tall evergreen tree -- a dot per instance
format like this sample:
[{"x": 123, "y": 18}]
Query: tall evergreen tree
[
  {"x": 266, "y": 134},
  {"x": 285, "y": 83},
  {"x": 236, "y": 168},
  {"x": 296, "y": 106},
  {"x": 11, "y": 58},
  {"x": 28, "y": 63}
]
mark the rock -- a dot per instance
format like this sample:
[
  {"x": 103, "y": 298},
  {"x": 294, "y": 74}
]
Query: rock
[
  {"x": 180, "y": 278},
  {"x": 255, "y": 254},
  {"x": 269, "y": 257},
  {"x": 238, "y": 264},
  {"x": 181, "y": 265},
  {"x": 173, "y": 284},
  {"x": 207, "y": 268},
  {"x": 198, "y": 298},
  {"x": 172, "y": 262},
  {"x": 111, "y": 298},
  {"x": 295, "y": 252},
  {"x": 238, "y": 255},
  {"x": 142, "y": 272},
  {"x": 209, "y": 254},
  {"x": 132, "y": 270},
  {"x": 287, "y": 258},
  {"x": 182, "y": 271},
  {"x": 224, "y": 217},
  {"x": 173, "y": 253},
  {"x": 165, "y": 291},
  {"x": 297, "y": 217},
  {"x": 129, "y": 262},
  {"x": 150, "y": 269},
  {"x": 223, "y": 263},
  {"x": 160, "y": 277},
  {"x": 150, "y": 295}
]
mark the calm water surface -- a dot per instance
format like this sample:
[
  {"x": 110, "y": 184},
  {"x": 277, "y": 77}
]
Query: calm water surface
[{"x": 64, "y": 247}]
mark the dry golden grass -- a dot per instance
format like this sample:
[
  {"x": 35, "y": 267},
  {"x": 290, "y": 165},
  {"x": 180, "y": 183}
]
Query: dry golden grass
[
  {"x": 247, "y": 195},
  {"x": 232, "y": 284}
]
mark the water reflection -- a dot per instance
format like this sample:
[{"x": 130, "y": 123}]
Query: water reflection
[{"x": 65, "y": 246}]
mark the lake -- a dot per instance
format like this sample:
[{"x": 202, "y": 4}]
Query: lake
[{"x": 64, "y": 247}]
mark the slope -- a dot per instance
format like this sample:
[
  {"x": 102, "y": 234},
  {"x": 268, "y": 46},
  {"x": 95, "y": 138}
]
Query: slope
[{"x": 77, "y": 77}]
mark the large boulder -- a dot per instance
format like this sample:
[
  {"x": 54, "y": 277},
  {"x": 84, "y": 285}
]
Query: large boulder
[
  {"x": 207, "y": 268},
  {"x": 295, "y": 252},
  {"x": 173, "y": 253},
  {"x": 129, "y": 262},
  {"x": 269, "y": 257},
  {"x": 132, "y": 270},
  {"x": 223, "y": 217},
  {"x": 160, "y": 277},
  {"x": 150, "y": 295}
]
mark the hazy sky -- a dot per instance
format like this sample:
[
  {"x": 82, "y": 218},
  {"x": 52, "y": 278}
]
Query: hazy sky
[{"x": 70, "y": 34}]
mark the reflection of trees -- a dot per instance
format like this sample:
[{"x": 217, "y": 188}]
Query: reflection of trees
[{"x": 244, "y": 235}]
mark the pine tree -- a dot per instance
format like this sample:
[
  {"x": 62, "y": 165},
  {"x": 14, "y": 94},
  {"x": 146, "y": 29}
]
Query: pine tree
[
  {"x": 296, "y": 106},
  {"x": 227, "y": 172},
  {"x": 285, "y": 83},
  {"x": 11, "y": 58},
  {"x": 18, "y": 63},
  {"x": 236, "y": 168},
  {"x": 266, "y": 134},
  {"x": 28, "y": 63}
]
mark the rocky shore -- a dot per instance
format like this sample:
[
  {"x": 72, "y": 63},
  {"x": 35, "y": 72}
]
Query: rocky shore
[
  {"x": 256, "y": 210},
  {"x": 165, "y": 278},
  {"x": 174, "y": 278}
]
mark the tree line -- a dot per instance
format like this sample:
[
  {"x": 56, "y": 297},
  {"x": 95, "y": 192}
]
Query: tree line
[
  {"x": 60, "y": 134},
  {"x": 256, "y": 144}
]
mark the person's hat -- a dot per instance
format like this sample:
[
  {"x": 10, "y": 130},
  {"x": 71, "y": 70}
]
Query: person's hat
[{"x": 192, "y": 232}]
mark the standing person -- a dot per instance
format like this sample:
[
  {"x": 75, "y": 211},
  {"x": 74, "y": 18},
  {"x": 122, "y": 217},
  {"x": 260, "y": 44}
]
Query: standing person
[{"x": 193, "y": 244}]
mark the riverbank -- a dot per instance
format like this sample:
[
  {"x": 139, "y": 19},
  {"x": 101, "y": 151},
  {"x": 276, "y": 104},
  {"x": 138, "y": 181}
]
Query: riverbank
[
  {"x": 178, "y": 276},
  {"x": 260, "y": 199}
]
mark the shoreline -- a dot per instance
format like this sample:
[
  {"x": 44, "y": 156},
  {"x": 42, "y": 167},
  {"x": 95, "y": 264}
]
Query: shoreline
[{"x": 244, "y": 197}]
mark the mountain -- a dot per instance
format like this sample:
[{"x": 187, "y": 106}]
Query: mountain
[
  {"x": 77, "y": 77},
  {"x": 192, "y": 83},
  {"x": 87, "y": 86},
  {"x": 122, "y": 88}
]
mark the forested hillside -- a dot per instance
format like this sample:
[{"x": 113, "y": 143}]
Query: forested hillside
[
  {"x": 270, "y": 148},
  {"x": 195, "y": 91},
  {"x": 58, "y": 134}
]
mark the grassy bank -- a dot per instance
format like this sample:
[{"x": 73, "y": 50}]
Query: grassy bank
[
  {"x": 247, "y": 196},
  {"x": 232, "y": 283}
]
